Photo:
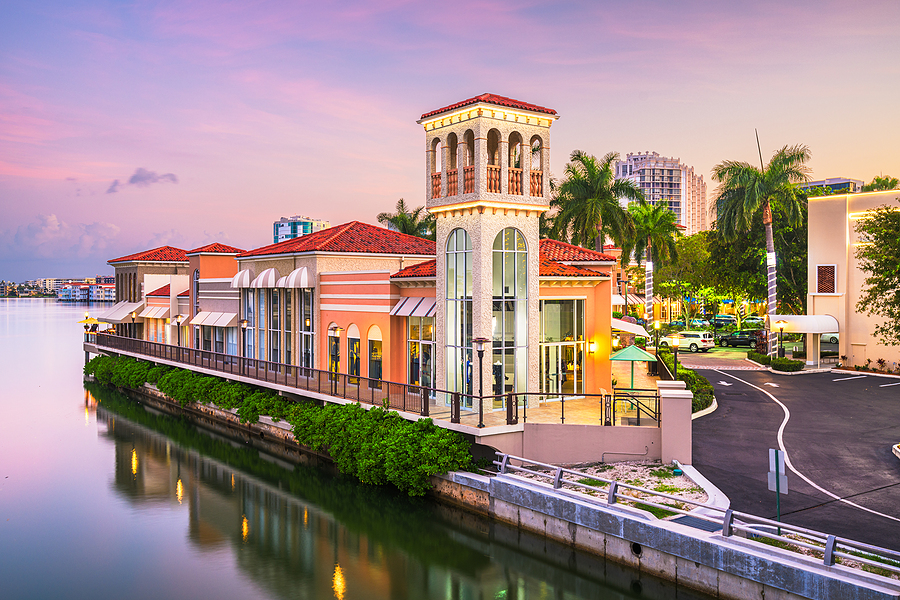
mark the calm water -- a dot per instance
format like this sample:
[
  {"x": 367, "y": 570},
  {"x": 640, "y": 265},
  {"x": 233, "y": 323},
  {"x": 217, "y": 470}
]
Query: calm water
[{"x": 100, "y": 498}]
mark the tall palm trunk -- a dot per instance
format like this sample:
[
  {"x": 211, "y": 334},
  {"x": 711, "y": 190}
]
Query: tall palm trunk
[
  {"x": 770, "y": 274},
  {"x": 648, "y": 283}
]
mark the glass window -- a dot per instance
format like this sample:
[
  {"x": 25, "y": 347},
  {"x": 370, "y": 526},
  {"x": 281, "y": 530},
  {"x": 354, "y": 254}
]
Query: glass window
[
  {"x": 421, "y": 351},
  {"x": 509, "y": 323},
  {"x": 458, "y": 313},
  {"x": 562, "y": 347},
  {"x": 353, "y": 356},
  {"x": 375, "y": 358}
]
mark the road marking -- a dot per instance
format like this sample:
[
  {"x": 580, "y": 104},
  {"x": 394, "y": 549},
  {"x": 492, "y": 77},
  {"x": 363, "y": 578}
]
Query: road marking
[
  {"x": 725, "y": 383},
  {"x": 787, "y": 458},
  {"x": 889, "y": 384},
  {"x": 771, "y": 384},
  {"x": 850, "y": 378}
]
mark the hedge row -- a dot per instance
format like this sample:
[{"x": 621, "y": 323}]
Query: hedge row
[
  {"x": 778, "y": 364},
  {"x": 696, "y": 383},
  {"x": 375, "y": 446},
  {"x": 763, "y": 359}
]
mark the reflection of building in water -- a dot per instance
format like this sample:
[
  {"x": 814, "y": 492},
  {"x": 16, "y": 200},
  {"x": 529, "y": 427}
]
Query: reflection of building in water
[{"x": 370, "y": 546}]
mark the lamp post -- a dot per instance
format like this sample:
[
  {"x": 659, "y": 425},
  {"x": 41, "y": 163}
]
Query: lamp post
[
  {"x": 654, "y": 366},
  {"x": 479, "y": 348},
  {"x": 675, "y": 341},
  {"x": 178, "y": 320},
  {"x": 244, "y": 323},
  {"x": 133, "y": 328},
  {"x": 781, "y": 324}
]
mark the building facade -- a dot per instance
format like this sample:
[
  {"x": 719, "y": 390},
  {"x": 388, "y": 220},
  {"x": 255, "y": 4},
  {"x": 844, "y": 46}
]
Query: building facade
[
  {"x": 667, "y": 181},
  {"x": 288, "y": 228},
  {"x": 837, "y": 185}
]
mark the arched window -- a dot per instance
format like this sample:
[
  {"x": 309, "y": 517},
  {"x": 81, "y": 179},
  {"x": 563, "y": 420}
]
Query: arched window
[
  {"x": 509, "y": 324},
  {"x": 353, "y": 352},
  {"x": 537, "y": 167},
  {"x": 376, "y": 356},
  {"x": 516, "y": 162},
  {"x": 459, "y": 312},
  {"x": 435, "y": 158},
  {"x": 493, "y": 166},
  {"x": 334, "y": 350},
  {"x": 452, "y": 172},
  {"x": 469, "y": 167},
  {"x": 196, "y": 283}
]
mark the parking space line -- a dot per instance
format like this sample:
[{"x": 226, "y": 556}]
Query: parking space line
[
  {"x": 889, "y": 384},
  {"x": 850, "y": 378}
]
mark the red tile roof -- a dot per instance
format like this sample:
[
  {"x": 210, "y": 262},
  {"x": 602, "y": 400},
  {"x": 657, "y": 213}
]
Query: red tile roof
[
  {"x": 492, "y": 99},
  {"x": 350, "y": 237},
  {"x": 161, "y": 254},
  {"x": 184, "y": 293},
  {"x": 562, "y": 251},
  {"x": 163, "y": 291},
  {"x": 551, "y": 268},
  {"x": 423, "y": 269},
  {"x": 215, "y": 248}
]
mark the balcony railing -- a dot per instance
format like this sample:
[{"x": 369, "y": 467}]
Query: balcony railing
[
  {"x": 493, "y": 179},
  {"x": 435, "y": 185},
  {"x": 537, "y": 183},
  {"x": 515, "y": 181},
  {"x": 420, "y": 400},
  {"x": 452, "y": 182},
  {"x": 469, "y": 180}
]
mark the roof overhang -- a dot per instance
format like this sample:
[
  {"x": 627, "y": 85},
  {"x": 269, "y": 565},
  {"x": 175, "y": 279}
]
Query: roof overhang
[
  {"x": 804, "y": 323},
  {"x": 620, "y": 325}
]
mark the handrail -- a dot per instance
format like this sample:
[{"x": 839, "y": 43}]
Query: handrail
[
  {"x": 830, "y": 544},
  {"x": 377, "y": 392}
]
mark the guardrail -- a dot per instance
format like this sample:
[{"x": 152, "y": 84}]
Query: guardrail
[
  {"x": 421, "y": 400},
  {"x": 729, "y": 522}
]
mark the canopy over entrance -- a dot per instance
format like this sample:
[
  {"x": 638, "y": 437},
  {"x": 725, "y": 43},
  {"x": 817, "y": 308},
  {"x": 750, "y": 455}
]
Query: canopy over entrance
[
  {"x": 627, "y": 327},
  {"x": 805, "y": 323}
]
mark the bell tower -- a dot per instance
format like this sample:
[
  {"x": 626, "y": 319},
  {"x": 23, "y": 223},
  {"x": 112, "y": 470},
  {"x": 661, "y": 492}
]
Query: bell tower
[{"x": 487, "y": 165}]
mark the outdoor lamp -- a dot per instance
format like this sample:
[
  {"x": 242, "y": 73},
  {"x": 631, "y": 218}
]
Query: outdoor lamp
[
  {"x": 592, "y": 347},
  {"x": 615, "y": 341},
  {"x": 675, "y": 341},
  {"x": 780, "y": 324},
  {"x": 479, "y": 343}
]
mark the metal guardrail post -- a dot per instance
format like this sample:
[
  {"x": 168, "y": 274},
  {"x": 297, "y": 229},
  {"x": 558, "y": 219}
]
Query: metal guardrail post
[
  {"x": 426, "y": 394},
  {"x": 454, "y": 408},
  {"x": 557, "y": 480},
  {"x": 829, "y": 550},
  {"x": 728, "y": 523},
  {"x": 611, "y": 493},
  {"x": 503, "y": 462},
  {"x": 562, "y": 409},
  {"x": 510, "y": 418}
]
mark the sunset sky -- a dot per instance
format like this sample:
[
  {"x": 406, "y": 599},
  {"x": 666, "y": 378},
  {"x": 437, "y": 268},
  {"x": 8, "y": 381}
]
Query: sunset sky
[{"x": 129, "y": 125}]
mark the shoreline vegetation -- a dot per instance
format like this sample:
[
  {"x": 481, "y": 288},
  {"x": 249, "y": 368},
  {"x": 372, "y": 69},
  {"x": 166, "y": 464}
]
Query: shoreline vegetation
[{"x": 375, "y": 446}]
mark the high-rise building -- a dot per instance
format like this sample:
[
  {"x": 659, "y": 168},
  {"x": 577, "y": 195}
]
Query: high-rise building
[
  {"x": 668, "y": 181},
  {"x": 288, "y": 228}
]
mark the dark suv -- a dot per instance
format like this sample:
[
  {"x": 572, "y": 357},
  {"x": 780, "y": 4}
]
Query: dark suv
[{"x": 745, "y": 337}]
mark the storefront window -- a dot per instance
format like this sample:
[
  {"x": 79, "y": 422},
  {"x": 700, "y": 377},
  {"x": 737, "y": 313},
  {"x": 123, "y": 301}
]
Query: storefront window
[
  {"x": 562, "y": 347},
  {"x": 420, "y": 338}
]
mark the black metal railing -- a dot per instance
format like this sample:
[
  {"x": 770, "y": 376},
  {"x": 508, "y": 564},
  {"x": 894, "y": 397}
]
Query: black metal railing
[{"x": 424, "y": 401}]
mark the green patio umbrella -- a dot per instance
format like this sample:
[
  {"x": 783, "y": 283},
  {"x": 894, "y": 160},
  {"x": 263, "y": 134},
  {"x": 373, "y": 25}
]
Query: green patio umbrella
[{"x": 632, "y": 354}]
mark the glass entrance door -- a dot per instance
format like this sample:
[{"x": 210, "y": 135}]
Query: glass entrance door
[{"x": 561, "y": 369}]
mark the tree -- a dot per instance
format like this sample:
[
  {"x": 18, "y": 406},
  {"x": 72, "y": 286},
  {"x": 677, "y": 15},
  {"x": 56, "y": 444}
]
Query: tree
[
  {"x": 745, "y": 191},
  {"x": 882, "y": 183},
  {"x": 655, "y": 232},
  {"x": 417, "y": 222},
  {"x": 686, "y": 278},
  {"x": 587, "y": 202},
  {"x": 880, "y": 259}
]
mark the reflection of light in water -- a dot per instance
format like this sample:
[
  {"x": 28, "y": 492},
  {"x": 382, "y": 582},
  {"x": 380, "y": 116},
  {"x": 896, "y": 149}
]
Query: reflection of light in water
[
  {"x": 134, "y": 462},
  {"x": 87, "y": 418},
  {"x": 338, "y": 583},
  {"x": 305, "y": 517},
  {"x": 232, "y": 482},
  {"x": 179, "y": 490},
  {"x": 245, "y": 528}
]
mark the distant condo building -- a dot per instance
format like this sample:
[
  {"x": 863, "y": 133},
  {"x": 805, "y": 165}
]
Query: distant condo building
[
  {"x": 667, "y": 181},
  {"x": 837, "y": 184},
  {"x": 288, "y": 228}
]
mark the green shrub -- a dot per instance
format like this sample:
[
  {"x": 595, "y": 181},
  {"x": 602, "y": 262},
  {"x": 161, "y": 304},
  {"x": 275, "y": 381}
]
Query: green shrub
[
  {"x": 763, "y": 359},
  {"x": 703, "y": 391},
  {"x": 786, "y": 364}
]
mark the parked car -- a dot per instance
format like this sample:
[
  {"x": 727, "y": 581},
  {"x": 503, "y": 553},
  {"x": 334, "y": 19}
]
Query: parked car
[
  {"x": 676, "y": 323},
  {"x": 753, "y": 320},
  {"x": 690, "y": 340},
  {"x": 699, "y": 323},
  {"x": 743, "y": 337},
  {"x": 723, "y": 320},
  {"x": 831, "y": 338}
]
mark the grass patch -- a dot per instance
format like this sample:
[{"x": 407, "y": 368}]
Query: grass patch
[
  {"x": 663, "y": 473},
  {"x": 592, "y": 482},
  {"x": 659, "y": 513},
  {"x": 667, "y": 489}
]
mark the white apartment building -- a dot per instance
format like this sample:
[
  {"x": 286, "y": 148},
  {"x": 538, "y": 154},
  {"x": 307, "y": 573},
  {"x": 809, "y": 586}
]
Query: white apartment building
[
  {"x": 665, "y": 180},
  {"x": 288, "y": 228}
]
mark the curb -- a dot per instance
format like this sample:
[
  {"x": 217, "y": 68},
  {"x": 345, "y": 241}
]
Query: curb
[
  {"x": 896, "y": 450},
  {"x": 709, "y": 409},
  {"x": 844, "y": 371},
  {"x": 715, "y": 497}
]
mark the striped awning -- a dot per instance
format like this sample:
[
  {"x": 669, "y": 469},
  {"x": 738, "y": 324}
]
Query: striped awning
[
  {"x": 120, "y": 312},
  {"x": 242, "y": 279},
  {"x": 414, "y": 306},
  {"x": 298, "y": 278},
  {"x": 427, "y": 307},
  {"x": 266, "y": 279},
  {"x": 155, "y": 312},
  {"x": 215, "y": 319}
]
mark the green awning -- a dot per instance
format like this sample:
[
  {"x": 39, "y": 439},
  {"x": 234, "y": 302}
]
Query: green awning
[{"x": 633, "y": 354}]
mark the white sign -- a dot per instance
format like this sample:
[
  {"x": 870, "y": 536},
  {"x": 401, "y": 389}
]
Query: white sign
[{"x": 776, "y": 467}]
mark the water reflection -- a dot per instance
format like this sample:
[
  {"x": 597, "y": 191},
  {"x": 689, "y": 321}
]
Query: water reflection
[{"x": 300, "y": 532}]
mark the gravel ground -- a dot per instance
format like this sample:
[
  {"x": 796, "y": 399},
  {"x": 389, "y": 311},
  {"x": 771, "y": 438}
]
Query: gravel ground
[{"x": 644, "y": 474}]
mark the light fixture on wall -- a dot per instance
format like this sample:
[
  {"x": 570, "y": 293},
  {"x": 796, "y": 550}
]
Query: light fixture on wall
[{"x": 592, "y": 347}]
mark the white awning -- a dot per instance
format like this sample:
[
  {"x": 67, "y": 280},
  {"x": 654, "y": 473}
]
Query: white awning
[
  {"x": 426, "y": 308},
  {"x": 266, "y": 279},
  {"x": 406, "y": 306},
  {"x": 241, "y": 280},
  {"x": 805, "y": 323},
  {"x": 627, "y": 327},
  {"x": 617, "y": 300},
  {"x": 201, "y": 317},
  {"x": 121, "y": 312},
  {"x": 155, "y": 312},
  {"x": 209, "y": 318},
  {"x": 298, "y": 278}
]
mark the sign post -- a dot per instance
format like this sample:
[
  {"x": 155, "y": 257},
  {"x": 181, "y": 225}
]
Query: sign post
[{"x": 777, "y": 479}]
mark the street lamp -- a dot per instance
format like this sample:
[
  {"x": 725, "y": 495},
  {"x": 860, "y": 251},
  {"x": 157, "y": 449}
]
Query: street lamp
[
  {"x": 479, "y": 348},
  {"x": 178, "y": 320},
  {"x": 675, "y": 341},
  {"x": 654, "y": 366},
  {"x": 133, "y": 328},
  {"x": 780, "y": 324},
  {"x": 85, "y": 319},
  {"x": 244, "y": 323}
]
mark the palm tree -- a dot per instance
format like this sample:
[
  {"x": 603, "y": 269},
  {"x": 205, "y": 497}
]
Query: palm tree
[
  {"x": 655, "y": 230},
  {"x": 882, "y": 183},
  {"x": 745, "y": 190},
  {"x": 587, "y": 201},
  {"x": 417, "y": 222}
]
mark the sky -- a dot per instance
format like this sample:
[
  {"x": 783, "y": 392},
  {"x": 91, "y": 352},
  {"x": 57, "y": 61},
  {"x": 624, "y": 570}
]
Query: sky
[{"x": 129, "y": 125}]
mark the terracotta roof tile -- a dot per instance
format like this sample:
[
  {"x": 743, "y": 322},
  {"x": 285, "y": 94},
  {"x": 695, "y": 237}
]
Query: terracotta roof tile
[
  {"x": 350, "y": 237},
  {"x": 492, "y": 99},
  {"x": 215, "y": 248},
  {"x": 423, "y": 269},
  {"x": 185, "y": 293},
  {"x": 161, "y": 254},
  {"x": 562, "y": 251},
  {"x": 163, "y": 291},
  {"x": 551, "y": 268}
]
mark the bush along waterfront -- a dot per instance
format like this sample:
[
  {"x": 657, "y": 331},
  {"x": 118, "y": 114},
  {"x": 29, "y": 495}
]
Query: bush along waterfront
[
  {"x": 693, "y": 381},
  {"x": 375, "y": 446}
]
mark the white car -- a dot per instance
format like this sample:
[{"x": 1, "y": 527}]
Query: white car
[
  {"x": 831, "y": 338},
  {"x": 694, "y": 341},
  {"x": 753, "y": 320}
]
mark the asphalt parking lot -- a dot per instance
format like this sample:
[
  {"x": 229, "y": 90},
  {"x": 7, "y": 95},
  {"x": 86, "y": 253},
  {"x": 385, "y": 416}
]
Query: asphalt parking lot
[{"x": 838, "y": 436}]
